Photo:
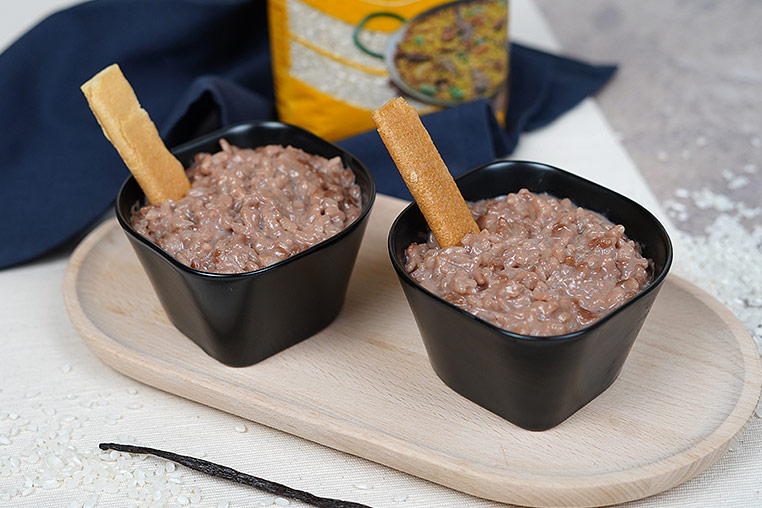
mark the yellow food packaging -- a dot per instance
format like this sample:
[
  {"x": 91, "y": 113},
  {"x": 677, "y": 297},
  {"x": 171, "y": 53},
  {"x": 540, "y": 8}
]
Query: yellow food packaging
[{"x": 335, "y": 61}]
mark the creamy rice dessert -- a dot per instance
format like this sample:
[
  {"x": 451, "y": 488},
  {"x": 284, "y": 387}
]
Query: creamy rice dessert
[
  {"x": 250, "y": 208},
  {"x": 540, "y": 266}
]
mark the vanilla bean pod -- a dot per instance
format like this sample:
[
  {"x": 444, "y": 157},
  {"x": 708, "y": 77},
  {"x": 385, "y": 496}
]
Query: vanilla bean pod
[{"x": 227, "y": 473}]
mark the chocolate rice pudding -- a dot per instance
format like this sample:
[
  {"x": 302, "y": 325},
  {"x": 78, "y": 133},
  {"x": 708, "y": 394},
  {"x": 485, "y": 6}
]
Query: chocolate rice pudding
[
  {"x": 540, "y": 266},
  {"x": 250, "y": 208}
]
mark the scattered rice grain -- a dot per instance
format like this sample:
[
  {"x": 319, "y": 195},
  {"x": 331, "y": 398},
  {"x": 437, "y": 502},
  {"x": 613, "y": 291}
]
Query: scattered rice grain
[
  {"x": 739, "y": 182},
  {"x": 706, "y": 199},
  {"x": 91, "y": 501}
]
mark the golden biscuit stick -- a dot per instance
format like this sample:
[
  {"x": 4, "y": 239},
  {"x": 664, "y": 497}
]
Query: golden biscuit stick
[
  {"x": 424, "y": 172},
  {"x": 134, "y": 135}
]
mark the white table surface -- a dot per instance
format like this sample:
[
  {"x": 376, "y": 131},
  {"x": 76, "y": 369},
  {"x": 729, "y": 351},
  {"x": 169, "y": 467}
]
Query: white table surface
[{"x": 45, "y": 367}]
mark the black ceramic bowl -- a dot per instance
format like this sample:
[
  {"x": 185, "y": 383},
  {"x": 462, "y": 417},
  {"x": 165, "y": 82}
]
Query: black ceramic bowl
[
  {"x": 241, "y": 319},
  {"x": 533, "y": 382}
]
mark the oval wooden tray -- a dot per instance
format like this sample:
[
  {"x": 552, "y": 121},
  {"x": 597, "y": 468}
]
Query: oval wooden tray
[{"x": 364, "y": 385}]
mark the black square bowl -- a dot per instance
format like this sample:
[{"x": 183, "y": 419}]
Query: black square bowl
[
  {"x": 241, "y": 319},
  {"x": 533, "y": 382}
]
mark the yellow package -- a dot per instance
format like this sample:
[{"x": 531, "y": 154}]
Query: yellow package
[{"x": 335, "y": 61}]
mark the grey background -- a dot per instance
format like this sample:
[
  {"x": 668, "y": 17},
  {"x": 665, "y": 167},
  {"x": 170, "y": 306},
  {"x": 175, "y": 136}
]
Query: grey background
[{"x": 687, "y": 99}]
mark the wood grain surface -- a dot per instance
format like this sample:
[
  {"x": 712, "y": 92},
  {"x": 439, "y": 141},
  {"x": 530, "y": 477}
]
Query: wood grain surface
[{"x": 364, "y": 385}]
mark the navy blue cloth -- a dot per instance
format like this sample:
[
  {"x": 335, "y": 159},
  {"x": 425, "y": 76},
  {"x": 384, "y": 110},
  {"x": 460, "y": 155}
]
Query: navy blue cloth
[{"x": 196, "y": 65}]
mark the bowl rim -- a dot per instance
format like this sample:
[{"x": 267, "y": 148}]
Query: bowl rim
[
  {"x": 218, "y": 134},
  {"x": 575, "y": 335}
]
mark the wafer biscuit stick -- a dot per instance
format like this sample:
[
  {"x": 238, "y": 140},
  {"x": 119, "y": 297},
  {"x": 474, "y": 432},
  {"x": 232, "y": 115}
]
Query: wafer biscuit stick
[
  {"x": 424, "y": 172},
  {"x": 134, "y": 135}
]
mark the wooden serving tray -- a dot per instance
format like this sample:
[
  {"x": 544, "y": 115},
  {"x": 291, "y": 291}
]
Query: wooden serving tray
[{"x": 364, "y": 385}]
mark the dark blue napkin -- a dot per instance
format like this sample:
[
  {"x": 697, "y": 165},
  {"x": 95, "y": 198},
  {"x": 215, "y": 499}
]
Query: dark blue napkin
[{"x": 196, "y": 65}]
